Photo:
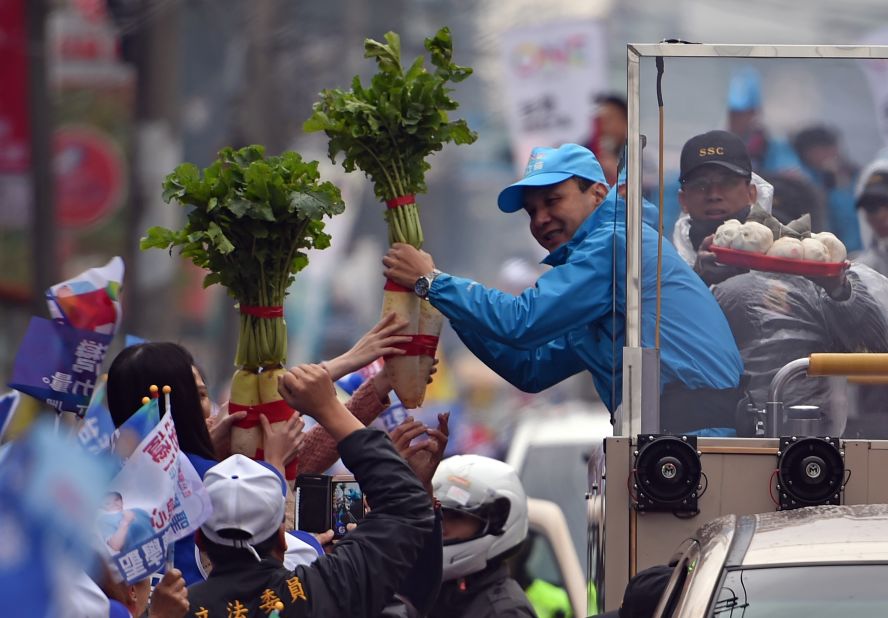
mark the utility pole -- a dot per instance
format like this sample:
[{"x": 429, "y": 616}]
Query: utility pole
[
  {"x": 153, "y": 48},
  {"x": 43, "y": 236}
]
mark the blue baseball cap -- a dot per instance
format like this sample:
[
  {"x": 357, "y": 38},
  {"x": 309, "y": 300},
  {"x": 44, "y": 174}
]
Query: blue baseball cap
[
  {"x": 549, "y": 166},
  {"x": 745, "y": 90}
]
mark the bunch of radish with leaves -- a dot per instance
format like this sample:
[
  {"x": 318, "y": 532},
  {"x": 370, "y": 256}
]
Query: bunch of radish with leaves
[
  {"x": 250, "y": 221},
  {"x": 387, "y": 130}
]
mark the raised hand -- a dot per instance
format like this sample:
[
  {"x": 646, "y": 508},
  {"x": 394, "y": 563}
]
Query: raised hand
[
  {"x": 170, "y": 597},
  {"x": 281, "y": 441},
  {"x": 220, "y": 430},
  {"x": 423, "y": 457},
  {"x": 378, "y": 341}
]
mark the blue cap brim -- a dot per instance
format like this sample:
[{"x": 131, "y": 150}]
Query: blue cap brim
[{"x": 511, "y": 198}]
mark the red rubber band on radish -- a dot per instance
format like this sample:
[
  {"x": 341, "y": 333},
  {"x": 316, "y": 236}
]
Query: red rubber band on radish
[
  {"x": 262, "y": 312},
  {"x": 274, "y": 411},
  {"x": 419, "y": 345},
  {"x": 401, "y": 200},
  {"x": 391, "y": 286}
]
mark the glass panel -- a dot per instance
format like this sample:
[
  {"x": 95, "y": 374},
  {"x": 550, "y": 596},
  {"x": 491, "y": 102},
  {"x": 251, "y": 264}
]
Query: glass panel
[
  {"x": 850, "y": 591},
  {"x": 808, "y": 129}
]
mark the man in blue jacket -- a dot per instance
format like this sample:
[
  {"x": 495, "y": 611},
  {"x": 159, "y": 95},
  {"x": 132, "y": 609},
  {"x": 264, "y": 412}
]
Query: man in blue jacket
[{"x": 574, "y": 317}]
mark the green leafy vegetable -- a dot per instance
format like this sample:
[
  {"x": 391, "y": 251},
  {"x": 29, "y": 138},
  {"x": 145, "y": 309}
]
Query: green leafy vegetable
[
  {"x": 389, "y": 128},
  {"x": 251, "y": 221}
]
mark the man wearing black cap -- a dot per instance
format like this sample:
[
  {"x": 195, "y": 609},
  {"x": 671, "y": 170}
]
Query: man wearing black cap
[
  {"x": 716, "y": 185},
  {"x": 775, "y": 318},
  {"x": 872, "y": 198}
]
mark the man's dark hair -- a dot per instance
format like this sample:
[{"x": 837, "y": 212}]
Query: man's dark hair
[
  {"x": 583, "y": 183},
  {"x": 220, "y": 554},
  {"x": 613, "y": 99},
  {"x": 813, "y": 137}
]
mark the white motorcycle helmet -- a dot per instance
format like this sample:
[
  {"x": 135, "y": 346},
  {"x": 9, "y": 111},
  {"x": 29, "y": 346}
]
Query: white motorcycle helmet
[{"x": 489, "y": 490}]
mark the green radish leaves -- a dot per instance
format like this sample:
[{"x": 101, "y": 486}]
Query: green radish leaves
[
  {"x": 388, "y": 128},
  {"x": 249, "y": 219}
]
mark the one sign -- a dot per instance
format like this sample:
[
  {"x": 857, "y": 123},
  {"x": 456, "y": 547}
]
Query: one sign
[
  {"x": 59, "y": 364},
  {"x": 876, "y": 72},
  {"x": 14, "y": 134},
  {"x": 552, "y": 73},
  {"x": 89, "y": 176},
  {"x": 91, "y": 300},
  {"x": 155, "y": 500}
]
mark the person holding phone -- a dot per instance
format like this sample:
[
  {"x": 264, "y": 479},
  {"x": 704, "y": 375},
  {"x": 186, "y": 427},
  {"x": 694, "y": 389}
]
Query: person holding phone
[{"x": 244, "y": 537}]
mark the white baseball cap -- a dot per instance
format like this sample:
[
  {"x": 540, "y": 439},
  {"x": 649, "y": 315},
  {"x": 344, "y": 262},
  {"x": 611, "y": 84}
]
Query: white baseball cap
[{"x": 248, "y": 500}]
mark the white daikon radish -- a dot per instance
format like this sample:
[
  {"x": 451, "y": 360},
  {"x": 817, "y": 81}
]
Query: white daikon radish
[
  {"x": 726, "y": 232},
  {"x": 814, "y": 250},
  {"x": 752, "y": 236},
  {"x": 787, "y": 248},
  {"x": 837, "y": 251}
]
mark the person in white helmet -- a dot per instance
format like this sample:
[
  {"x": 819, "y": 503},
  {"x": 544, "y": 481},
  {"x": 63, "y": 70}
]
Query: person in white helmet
[{"x": 484, "y": 508}]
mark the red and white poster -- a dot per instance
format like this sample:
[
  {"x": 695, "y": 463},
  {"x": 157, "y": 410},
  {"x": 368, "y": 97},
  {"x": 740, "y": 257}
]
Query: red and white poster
[{"x": 552, "y": 74}]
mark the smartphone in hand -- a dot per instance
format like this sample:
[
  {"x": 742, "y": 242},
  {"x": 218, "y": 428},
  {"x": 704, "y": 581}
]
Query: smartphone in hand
[
  {"x": 347, "y": 506},
  {"x": 313, "y": 502}
]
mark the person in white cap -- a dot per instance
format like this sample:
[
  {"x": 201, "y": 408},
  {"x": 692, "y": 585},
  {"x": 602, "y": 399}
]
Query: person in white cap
[{"x": 244, "y": 537}]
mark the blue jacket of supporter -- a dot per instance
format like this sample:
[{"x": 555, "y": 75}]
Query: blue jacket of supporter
[{"x": 574, "y": 318}]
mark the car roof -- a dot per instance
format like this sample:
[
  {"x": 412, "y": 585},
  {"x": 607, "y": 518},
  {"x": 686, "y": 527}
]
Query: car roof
[{"x": 821, "y": 534}]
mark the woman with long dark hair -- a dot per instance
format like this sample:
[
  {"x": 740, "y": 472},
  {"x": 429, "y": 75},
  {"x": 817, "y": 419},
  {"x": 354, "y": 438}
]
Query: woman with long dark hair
[
  {"x": 130, "y": 377},
  {"x": 138, "y": 367}
]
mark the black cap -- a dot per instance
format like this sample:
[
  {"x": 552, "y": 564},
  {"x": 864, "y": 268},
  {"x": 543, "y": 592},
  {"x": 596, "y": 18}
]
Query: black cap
[
  {"x": 715, "y": 148},
  {"x": 874, "y": 190},
  {"x": 643, "y": 593}
]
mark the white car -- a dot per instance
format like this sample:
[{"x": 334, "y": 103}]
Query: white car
[
  {"x": 548, "y": 564},
  {"x": 815, "y": 562},
  {"x": 551, "y": 455}
]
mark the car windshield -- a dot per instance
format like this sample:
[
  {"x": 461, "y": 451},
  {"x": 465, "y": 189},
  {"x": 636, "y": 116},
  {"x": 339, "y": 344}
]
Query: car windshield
[
  {"x": 824, "y": 591},
  {"x": 558, "y": 473}
]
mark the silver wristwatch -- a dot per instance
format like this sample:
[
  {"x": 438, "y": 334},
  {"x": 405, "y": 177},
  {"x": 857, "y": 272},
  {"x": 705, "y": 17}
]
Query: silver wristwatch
[{"x": 424, "y": 284}]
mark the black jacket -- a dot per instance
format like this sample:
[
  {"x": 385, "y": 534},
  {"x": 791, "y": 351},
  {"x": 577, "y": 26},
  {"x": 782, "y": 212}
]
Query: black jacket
[
  {"x": 364, "y": 570},
  {"x": 490, "y": 593}
]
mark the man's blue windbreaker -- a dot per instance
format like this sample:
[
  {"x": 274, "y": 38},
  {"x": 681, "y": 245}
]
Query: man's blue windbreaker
[{"x": 574, "y": 318}]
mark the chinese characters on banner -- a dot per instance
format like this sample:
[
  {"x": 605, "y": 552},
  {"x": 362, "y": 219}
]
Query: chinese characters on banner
[
  {"x": 59, "y": 364},
  {"x": 552, "y": 73},
  {"x": 97, "y": 428},
  {"x": 59, "y": 361},
  {"x": 156, "y": 499}
]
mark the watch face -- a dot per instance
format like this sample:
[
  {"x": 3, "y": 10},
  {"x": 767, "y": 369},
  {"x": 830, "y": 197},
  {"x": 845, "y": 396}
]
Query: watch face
[{"x": 421, "y": 287}]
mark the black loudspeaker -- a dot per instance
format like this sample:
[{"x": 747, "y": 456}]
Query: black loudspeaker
[
  {"x": 810, "y": 471},
  {"x": 667, "y": 473}
]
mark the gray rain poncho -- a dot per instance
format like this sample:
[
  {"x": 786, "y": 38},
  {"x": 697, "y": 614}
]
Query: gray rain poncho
[{"x": 777, "y": 318}]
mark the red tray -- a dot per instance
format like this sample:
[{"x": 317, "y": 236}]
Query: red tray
[{"x": 759, "y": 261}]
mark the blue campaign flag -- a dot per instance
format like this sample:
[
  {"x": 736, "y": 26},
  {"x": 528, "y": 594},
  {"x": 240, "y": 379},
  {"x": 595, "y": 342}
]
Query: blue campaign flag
[
  {"x": 8, "y": 404},
  {"x": 97, "y": 428},
  {"x": 135, "y": 428},
  {"x": 132, "y": 340},
  {"x": 50, "y": 490},
  {"x": 59, "y": 364}
]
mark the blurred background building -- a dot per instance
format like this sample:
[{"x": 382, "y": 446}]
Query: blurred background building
[{"x": 101, "y": 98}]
